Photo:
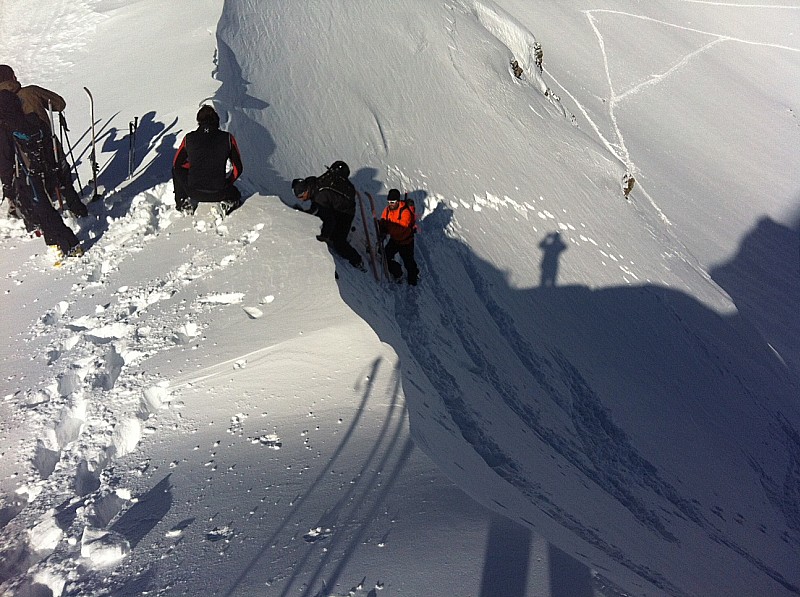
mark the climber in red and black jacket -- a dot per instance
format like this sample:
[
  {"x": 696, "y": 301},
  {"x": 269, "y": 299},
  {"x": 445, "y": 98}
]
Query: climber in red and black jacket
[{"x": 200, "y": 168}]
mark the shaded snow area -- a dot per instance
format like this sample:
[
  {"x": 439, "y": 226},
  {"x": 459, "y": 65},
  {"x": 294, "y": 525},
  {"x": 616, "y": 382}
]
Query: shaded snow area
[{"x": 593, "y": 390}]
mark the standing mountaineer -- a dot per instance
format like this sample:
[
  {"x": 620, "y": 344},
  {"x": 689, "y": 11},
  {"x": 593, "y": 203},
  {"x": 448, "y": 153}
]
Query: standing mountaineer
[
  {"x": 334, "y": 198},
  {"x": 398, "y": 221},
  {"x": 24, "y": 171},
  {"x": 36, "y": 104},
  {"x": 200, "y": 167}
]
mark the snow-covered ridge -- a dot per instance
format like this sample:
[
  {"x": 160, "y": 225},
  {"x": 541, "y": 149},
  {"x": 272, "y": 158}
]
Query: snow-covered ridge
[{"x": 223, "y": 407}]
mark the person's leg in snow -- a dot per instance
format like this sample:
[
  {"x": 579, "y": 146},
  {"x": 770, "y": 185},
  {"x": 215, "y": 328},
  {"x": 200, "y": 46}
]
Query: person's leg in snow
[
  {"x": 338, "y": 238},
  {"x": 180, "y": 183},
  {"x": 407, "y": 255}
]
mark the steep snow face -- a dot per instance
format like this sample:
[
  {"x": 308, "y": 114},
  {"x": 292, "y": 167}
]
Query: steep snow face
[{"x": 617, "y": 381}]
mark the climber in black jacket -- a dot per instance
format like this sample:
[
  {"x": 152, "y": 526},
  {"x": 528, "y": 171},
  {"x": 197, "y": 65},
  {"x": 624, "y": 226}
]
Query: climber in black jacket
[{"x": 200, "y": 168}]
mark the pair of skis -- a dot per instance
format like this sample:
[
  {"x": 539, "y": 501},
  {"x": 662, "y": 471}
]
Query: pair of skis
[
  {"x": 58, "y": 152},
  {"x": 64, "y": 130},
  {"x": 376, "y": 252}
]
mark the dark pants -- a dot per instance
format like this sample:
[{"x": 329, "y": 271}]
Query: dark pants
[
  {"x": 183, "y": 194},
  {"x": 33, "y": 204},
  {"x": 335, "y": 229},
  {"x": 406, "y": 253}
]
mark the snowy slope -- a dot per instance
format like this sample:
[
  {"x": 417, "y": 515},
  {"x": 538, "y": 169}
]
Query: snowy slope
[{"x": 202, "y": 407}]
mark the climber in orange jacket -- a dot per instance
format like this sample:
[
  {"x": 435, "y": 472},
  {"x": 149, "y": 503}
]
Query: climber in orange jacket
[{"x": 398, "y": 222}]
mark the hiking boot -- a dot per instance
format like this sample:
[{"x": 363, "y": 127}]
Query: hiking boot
[
  {"x": 76, "y": 251},
  {"x": 228, "y": 206},
  {"x": 58, "y": 253},
  {"x": 185, "y": 207}
]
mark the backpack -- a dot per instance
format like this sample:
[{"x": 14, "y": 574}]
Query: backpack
[
  {"x": 34, "y": 153},
  {"x": 340, "y": 168},
  {"x": 31, "y": 142},
  {"x": 409, "y": 204},
  {"x": 32, "y": 156},
  {"x": 335, "y": 179}
]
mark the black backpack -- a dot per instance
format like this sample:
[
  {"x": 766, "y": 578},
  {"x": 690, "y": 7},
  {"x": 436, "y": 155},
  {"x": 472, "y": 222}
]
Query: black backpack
[
  {"x": 336, "y": 179},
  {"x": 340, "y": 168},
  {"x": 34, "y": 165},
  {"x": 32, "y": 144}
]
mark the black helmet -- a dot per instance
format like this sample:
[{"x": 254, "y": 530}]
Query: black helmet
[
  {"x": 301, "y": 185},
  {"x": 207, "y": 115},
  {"x": 339, "y": 168}
]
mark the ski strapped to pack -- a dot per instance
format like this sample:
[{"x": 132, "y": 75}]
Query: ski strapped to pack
[
  {"x": 54, "y": 143},
  {"x": 381, "y": 251}
]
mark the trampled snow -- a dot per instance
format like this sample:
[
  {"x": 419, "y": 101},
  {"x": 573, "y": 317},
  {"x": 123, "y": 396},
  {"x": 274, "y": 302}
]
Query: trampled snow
[{"x": 586, "y": 395}]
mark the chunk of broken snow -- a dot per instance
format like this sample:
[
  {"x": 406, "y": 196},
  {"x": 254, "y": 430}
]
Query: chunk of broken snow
[
  {"x": 228, "y": 298},
  {"x": 154, "y": 399},
  {"x": 125, "y": 437},
  {"x": 82, "y": 323},
  {"x": 30, "y": 492},
  {"x": 51, "y": 579},
  {"x": 107, "y": 333},
  {"x": 102, "y": 549},
  {"x": 45, "y": 534},
  {"x": 253, "y": 312},
  {"x": 220, "y": 533},
  {"x": 186, "y": 332}
]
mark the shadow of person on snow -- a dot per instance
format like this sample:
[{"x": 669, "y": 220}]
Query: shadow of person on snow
[{"x": 552, "y": 246}]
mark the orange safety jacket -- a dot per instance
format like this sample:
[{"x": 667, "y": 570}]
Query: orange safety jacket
[{"x": 399, "y": 223}]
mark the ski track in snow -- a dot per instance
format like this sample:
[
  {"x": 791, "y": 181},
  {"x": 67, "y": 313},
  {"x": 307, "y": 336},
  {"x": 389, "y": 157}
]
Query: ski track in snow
[
  {"x": 617, "y": 146},
  {"x": 617, "y": 468},
  {"x": 97, "y": 406}
]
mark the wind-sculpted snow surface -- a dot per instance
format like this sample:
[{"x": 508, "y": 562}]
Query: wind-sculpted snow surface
[{"x": 631, "y": 446}]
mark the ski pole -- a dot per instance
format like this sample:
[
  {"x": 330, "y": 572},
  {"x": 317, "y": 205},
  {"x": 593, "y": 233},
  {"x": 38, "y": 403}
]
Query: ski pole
[
  {"x": 64, "y": 133},
  {"x": 93, "y": 154},
  {"x": 132, "y": 126}
]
